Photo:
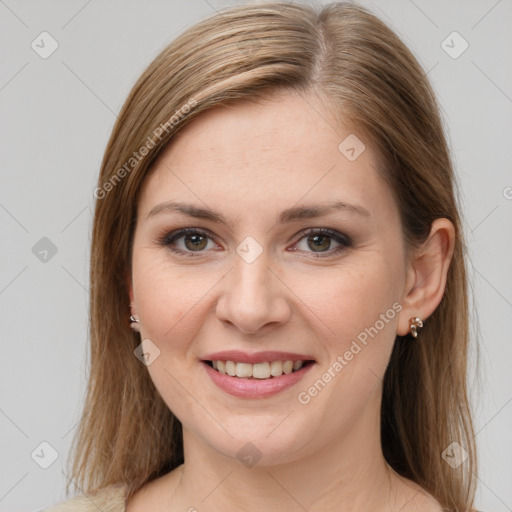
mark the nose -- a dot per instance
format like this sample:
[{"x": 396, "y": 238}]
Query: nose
[{"x": 253, "y": 298}]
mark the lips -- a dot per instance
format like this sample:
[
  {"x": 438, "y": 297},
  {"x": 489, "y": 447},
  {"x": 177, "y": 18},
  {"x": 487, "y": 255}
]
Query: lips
[{"x": 256, "y": 375}]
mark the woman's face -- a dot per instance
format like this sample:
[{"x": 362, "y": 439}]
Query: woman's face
[{"x": 256, "y": 277}]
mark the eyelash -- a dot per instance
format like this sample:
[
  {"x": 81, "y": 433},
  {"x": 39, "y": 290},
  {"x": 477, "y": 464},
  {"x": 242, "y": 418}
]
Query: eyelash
[{"x": 170, "y": 238}]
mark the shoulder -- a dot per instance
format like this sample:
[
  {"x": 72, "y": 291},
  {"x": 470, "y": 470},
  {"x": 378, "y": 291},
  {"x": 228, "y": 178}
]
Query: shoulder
[
  {"x": 472, "y": 510},
  {"x": 107, "y": 499}
]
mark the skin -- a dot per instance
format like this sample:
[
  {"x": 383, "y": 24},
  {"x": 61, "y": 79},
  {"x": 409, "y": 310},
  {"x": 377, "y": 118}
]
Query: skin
[{"x": 249, "y": 162}]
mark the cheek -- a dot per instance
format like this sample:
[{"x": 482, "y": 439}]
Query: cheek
[
  {"x": 169, "y": 306},
  {"x": 357, "y": 309},
  {"x": 358, "y": 306},
  {"x": 167, "y": 298},
  {"x": 352, "y": 299}
]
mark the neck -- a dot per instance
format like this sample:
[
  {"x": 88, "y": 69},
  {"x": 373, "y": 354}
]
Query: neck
[{"x": 349, "y": 472}]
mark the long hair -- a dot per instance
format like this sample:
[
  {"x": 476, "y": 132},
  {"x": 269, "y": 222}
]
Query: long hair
[{"x": 370, "y": 80}]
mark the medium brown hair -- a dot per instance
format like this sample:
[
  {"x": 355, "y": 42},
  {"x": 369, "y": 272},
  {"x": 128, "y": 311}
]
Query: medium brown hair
[{"x": 370, "y": 80}]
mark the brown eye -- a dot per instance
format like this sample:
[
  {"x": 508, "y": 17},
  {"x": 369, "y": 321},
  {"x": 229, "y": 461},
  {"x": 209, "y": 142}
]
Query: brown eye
[
  {"x": 195, "y": 242},
  {"x": 317, "y": 241},
  {"x": 188, "y": 242},
  {"x": 320, "y": 242}
]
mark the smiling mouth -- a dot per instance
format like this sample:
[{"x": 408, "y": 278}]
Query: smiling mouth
[{"x": 265, "y": 370}]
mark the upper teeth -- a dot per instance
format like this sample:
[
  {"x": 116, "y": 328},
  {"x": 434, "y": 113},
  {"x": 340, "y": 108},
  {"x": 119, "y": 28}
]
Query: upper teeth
[{"x": 258, "y": 370}]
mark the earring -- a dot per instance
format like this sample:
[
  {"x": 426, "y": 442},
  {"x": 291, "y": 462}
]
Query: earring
[
  {"x": 134, "y": 322},
  {"x": 415, "y": 323}
]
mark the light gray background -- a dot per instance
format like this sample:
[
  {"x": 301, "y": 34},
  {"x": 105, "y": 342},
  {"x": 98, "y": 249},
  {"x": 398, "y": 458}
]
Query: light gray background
[{"x": 57, "y": 114}]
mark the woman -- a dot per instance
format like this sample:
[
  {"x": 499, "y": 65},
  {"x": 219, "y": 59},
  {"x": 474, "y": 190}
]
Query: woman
[{"x": 279, "y": 309}]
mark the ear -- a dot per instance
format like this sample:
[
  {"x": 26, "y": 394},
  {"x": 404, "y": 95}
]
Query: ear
[
  {"x": 129, "y": 287},
  {"x": 426, "y": 274}
]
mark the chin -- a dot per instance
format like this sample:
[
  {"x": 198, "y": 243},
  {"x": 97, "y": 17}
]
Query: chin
[{"x": 265, "y": 441}]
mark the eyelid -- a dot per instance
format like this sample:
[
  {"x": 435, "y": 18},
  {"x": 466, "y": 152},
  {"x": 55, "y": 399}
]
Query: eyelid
[
  {"x": 333, "y": 233},
  {"x": 171, "y": 237},
  {"x": 344, "y": 240}
]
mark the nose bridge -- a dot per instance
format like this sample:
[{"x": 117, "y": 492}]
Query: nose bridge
[
  {"x": 251, "y": 297},
  {"x": 251, "y": 273},
  {"x": 254, "y": 277},
  {"x": 251, "y": 282}
]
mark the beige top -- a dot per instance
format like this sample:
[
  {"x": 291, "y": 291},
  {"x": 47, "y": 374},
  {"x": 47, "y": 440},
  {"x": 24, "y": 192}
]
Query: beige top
[{"x": 108, "y": 499}]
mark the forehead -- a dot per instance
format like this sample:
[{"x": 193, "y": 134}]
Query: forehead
[
  {"x": 271, "y": 154},
  {"x": 281, "y": 125}
]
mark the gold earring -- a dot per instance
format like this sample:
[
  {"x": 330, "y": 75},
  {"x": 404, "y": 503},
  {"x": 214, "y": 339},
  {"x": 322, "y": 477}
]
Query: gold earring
[{"x": 415, "y": 323}]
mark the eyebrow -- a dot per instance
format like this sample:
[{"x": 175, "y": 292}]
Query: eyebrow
[{"x": 291, "y": 214}]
